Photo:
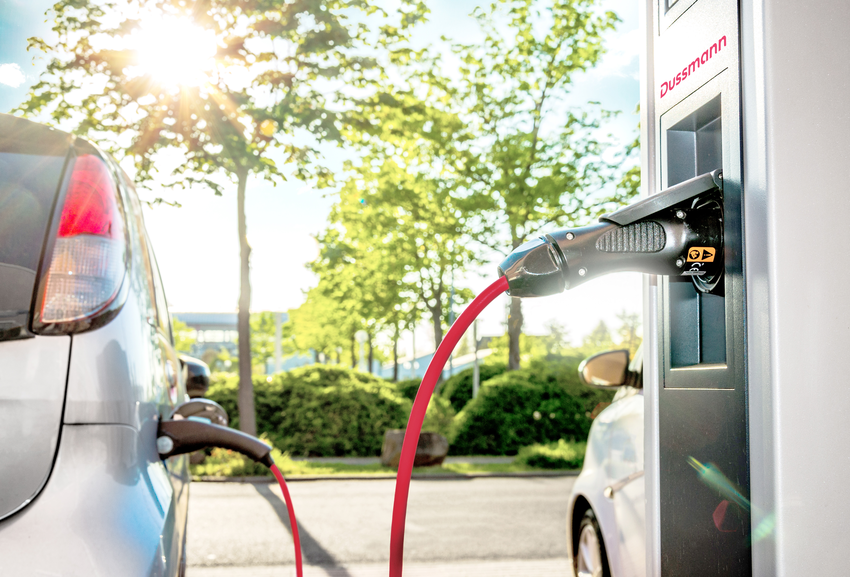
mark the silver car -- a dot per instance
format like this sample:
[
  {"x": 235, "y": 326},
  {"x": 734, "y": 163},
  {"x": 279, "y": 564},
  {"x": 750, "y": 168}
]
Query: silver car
[{"x": 87, "y": 369}]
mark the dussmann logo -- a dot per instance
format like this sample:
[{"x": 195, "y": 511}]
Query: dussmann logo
[{"x": 667, "y": 86}]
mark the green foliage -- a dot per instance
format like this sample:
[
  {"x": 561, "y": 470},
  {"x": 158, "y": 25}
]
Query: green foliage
[
  {"x": 408, "y": 388},
  {"x": 262, "y": 337},
  {"x": 439, "y": 417},
  {"x": 544, "y": 402},
  {"x": 184, "y": 337},
  {"x": 279, "y": 78},
  {"x": 558, "y": 455},
  {"x": 321, "y": 410},
  {"x": 598, "y": 340},
  {"x": 629, "y": 331},
  {"x": 458, "y": 389}
]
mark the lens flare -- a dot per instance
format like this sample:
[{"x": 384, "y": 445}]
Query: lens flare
[{"x": 175, "y": 51}]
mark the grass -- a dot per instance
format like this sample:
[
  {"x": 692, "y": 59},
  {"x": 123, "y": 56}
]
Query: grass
[{"x": 555, "y": 456}]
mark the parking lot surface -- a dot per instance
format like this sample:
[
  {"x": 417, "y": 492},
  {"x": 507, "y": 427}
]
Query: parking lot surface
[{"x": 455, "y": 527}]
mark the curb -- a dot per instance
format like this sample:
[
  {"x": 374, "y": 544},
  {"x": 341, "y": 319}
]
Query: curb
[{"x": 384, "y": 477}]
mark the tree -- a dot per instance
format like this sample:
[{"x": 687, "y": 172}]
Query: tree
[
  {"x": 628, "y": 332},
  {"x": 241, "y": 87},
  {"x": 598, "y": 340},
  {"x": 184, "y": 337},
  {"x": 263, "y": 331},
  {"x": 528, "y": 164},
  {"x": 555, "y": 339}
]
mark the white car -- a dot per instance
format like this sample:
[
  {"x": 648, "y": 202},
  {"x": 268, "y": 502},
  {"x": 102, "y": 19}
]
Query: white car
[{"x": 606, "y": 534}]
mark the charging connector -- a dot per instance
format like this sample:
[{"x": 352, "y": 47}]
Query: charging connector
[
  {"x": 678, "y": 232},
  {"x": 184, "y": 434}
]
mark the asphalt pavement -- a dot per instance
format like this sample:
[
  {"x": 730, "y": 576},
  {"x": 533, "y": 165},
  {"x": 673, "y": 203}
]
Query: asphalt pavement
[{"x": 456, "y": 527}]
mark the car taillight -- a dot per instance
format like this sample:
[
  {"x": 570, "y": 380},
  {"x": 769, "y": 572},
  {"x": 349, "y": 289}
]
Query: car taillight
[{"x": 88, "y": 262}]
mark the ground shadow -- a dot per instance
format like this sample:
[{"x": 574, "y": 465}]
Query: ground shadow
[{"x": 313, "y": 552}]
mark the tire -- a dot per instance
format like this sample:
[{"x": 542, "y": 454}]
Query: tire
[{"x": 590, "y": 558}]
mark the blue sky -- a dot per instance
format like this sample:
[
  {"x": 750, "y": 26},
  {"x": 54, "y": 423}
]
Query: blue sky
[{"x": 197, "y": 245}]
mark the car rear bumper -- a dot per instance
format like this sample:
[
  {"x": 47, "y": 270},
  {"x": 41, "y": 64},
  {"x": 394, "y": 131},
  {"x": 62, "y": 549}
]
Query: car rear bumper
[{"x": 110, "y": 507}]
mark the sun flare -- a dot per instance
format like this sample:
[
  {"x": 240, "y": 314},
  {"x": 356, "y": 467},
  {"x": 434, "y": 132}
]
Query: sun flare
[{"x": 175, "y": 51}]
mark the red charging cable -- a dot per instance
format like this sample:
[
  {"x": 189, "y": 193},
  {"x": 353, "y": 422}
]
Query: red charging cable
[
  {"x": 299, "y": 571},
  {"x": 417, "y": 416}
]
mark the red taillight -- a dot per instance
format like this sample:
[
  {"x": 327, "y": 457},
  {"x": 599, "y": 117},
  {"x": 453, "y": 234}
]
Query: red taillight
[
  {"x": 90, "y": 206},
  {"x": 88, "y": 261}
]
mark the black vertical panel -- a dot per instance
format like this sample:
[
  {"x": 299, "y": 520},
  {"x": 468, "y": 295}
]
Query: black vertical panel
[{"x": 703, "y": 446}]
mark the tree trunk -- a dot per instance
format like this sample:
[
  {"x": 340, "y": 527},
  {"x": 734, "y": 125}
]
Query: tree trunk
[
  {"x": 437, "y": 318},
  {"x": 514, "y": 331},
  {"x": 247, "y": 417},
  {"x": 371, "y": 353},
  {"x": 395, "y": 354},
  {"x": 353, "y": 352}
]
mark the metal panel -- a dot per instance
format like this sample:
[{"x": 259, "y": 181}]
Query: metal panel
[
  {"x": 108, "y": 510},
  {"x": 796, "y": 122},
  {"x": 696, "y": 419},
  {"x": 33, "y": 374}
]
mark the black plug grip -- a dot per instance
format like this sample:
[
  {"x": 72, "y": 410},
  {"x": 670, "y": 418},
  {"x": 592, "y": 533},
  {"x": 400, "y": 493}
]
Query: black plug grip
[{"x": 188, "y": 435}]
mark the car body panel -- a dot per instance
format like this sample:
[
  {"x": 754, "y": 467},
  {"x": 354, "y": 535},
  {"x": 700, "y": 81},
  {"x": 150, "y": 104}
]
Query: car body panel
[
  {"x": 108, "y": 510},
  {"x": 33, "y": 373},
  {"x": 614, "y": 458},
  {"x": 109, "y": 505},
  {"x": 117, "y": 372}
]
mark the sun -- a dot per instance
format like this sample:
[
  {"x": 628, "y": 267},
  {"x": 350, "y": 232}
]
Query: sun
[{"x": 175, "y": 51}]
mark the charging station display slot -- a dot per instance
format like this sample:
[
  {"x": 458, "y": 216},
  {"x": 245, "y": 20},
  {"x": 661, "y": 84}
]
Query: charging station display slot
[
  {"x": 694, "y": 144},
  {"x": 697, "y": 320}
]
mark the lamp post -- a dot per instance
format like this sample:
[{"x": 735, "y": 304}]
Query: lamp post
[{"x": 476, "y": 375}]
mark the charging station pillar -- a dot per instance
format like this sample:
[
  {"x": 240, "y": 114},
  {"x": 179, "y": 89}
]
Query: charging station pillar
[
  {"x": 697, "y": 454},
  {"x": 747, "y": 407}
]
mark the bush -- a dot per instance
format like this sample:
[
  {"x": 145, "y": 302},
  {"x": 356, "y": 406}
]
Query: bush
[
  {"x": 559, "y": 455},
  {"x": 542, "y": 403},
  {"x": 408, "y": 388},
  {"x": 320, "y": 410},
  {"x": 458, "y": 389}
]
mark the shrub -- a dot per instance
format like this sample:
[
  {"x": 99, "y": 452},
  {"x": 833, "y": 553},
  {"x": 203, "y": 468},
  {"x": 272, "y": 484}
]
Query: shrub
[
  {"x": 558, "y": 455},
  {"x": 458, "y": 388},
  {"x": 320, "y": 410},
  {"x": 542, "y": 403},
  {"x": 408, "y": 388}
]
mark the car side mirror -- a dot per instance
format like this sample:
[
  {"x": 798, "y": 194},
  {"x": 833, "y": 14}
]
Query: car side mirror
[
  {"x": 608, "y": 369},
  {"x": 197, "y": 375},
  {"x": 201, "y": 409}
]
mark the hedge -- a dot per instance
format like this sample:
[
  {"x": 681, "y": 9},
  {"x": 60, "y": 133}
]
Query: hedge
[
  {"x": 542, "y": 403},
  {"x": 319, "y": 410},
  {"x": 458, "y": 388}
]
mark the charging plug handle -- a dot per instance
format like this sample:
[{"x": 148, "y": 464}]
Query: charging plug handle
[
  {"x": 678, "y": 232},
  {"x": 182, "y": 436}
]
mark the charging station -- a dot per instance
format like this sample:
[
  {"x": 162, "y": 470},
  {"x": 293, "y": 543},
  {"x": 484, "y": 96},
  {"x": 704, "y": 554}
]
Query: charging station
[{"x": 744, "y": 415}]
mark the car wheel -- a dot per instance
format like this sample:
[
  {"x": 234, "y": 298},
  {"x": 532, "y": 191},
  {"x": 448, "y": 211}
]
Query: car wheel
[{"x": 590, "y": 558}]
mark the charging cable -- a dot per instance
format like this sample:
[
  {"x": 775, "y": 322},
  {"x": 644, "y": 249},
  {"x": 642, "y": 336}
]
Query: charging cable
[
  {"x": 185, "y": 435},
  {"x": 417, "y": 416}
]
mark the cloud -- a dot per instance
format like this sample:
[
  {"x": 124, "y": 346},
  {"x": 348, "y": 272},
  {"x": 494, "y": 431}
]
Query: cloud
[{"x": 11, "y": 75}]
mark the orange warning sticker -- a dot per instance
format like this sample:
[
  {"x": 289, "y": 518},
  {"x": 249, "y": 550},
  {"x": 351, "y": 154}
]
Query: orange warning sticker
[{"x": 701, "y": 254}]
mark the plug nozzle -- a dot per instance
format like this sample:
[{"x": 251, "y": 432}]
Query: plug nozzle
[{"x": 684, "y": 240}]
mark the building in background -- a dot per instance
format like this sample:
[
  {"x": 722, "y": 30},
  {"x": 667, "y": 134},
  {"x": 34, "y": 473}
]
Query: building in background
[{"x": 216, "y": 332}]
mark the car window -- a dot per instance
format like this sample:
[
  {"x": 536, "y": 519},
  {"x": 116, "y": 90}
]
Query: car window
[
  {"x": 28, "y": 186},
  {"x": 163, "y": 318}
]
